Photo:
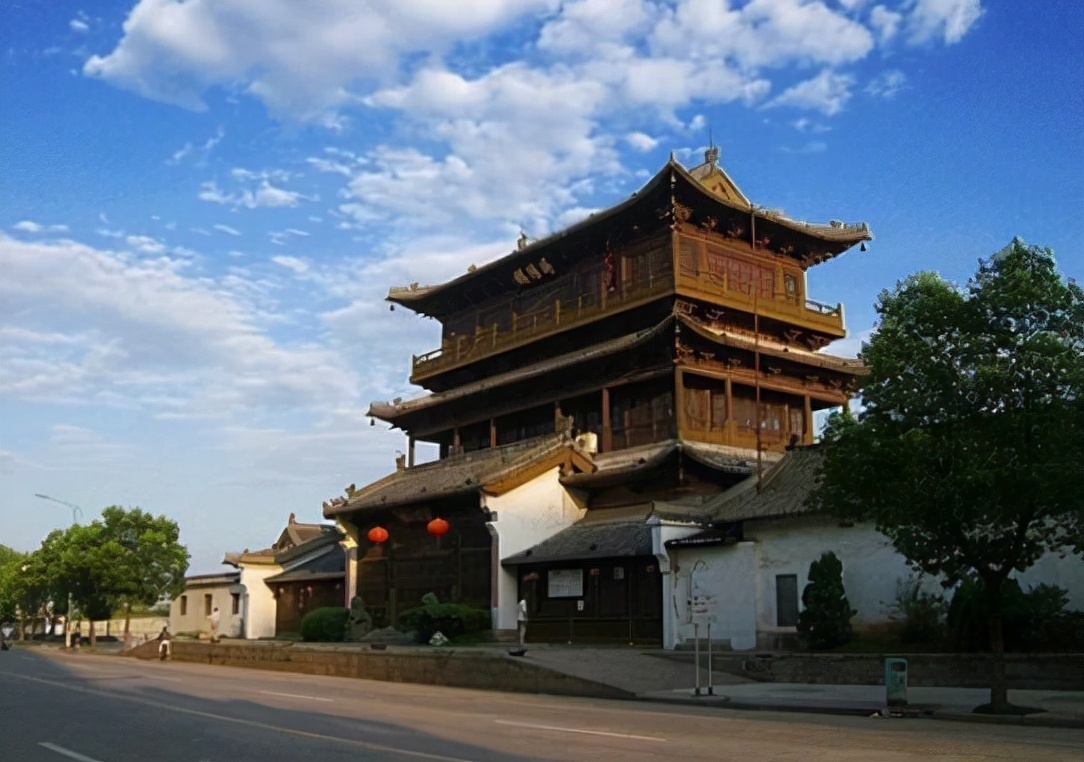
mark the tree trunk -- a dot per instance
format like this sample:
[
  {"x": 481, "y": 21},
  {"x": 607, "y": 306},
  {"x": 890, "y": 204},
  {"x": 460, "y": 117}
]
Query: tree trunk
[
  {"x": 127, "y": 625},
  {"x": 93, "y": 636},
  {"x": 999, "y": 690}
]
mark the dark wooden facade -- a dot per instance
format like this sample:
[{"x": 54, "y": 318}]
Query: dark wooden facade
[{"x": 619, "y": 601}]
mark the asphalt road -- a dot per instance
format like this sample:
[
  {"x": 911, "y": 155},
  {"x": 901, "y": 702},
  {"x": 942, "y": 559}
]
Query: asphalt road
[{"x": 56, "y": 706}]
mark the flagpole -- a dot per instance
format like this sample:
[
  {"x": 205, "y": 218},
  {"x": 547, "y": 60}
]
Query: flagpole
[{"x": 756, "y": 334}]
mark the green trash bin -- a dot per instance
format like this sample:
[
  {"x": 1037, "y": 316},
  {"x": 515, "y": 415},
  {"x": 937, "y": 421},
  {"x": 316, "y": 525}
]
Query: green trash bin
[{"x": 896, "y": 682}]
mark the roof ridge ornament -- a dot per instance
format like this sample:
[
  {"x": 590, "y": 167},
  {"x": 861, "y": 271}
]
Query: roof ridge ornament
[{"x": 711, "y": 156}]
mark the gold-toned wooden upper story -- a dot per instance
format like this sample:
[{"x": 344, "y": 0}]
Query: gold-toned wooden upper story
[{"x": 686, "y": 233}]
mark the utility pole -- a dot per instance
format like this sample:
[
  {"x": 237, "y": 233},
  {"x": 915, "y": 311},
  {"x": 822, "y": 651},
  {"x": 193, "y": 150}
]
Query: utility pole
[{"x": 77, "y": 513}]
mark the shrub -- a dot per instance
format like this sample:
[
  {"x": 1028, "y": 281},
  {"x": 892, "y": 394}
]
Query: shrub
[
  {"x": 1033, "y": 621},
  {"x": 919, "y": 615},
  {"x": 325, "y": 624},
  {"x": 452, "y": 619},
  {"x": 825, "y": 620},
  {"x": 1050, "y": 626}
]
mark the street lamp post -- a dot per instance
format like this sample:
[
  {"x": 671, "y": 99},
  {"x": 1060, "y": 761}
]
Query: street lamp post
[{"x": 77, "y": 513}]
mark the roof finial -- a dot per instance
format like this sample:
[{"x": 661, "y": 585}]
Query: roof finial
[
  {"x": 522, "y": 241},
  {"x": 711, "y": 156}
]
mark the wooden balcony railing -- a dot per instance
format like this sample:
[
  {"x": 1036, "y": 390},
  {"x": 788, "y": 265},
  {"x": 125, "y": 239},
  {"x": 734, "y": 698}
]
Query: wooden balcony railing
[
  {"x": 564, "y": 314},
  {"x": 803, "y": 313},
  {"x": 559, "y": 315}
]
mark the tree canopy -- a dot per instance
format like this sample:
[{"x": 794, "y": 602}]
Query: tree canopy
[
  {"x": 967, "y": 453},
  {"x": 126, "y": 558}
]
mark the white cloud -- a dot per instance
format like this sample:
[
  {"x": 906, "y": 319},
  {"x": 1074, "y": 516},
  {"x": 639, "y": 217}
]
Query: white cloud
[
  {"x": 29, "y": 226},
  {"x": 78, "y": 25},
  {"x": 145, "y": 244},
  {"x": 85, "y": 323},
  {"x": 887, "y": 84},
  {"x": 948, "y": 20},
  {"x": 298, "y": 266},
  {"x": 298, "y": 64},
  {"x": 641, "y": 141},
  {"x": 199, "y": 151},
  {"x": 761, "y": 33},
  {"x": 281, "y": 237},
  {"x": 808, "y": 125},
  {"x": 226, "y": 229},
  {"x": 827, "y": 92},
  {"x": 586, "y": 25},
  {"x": 886, "y": 22},
  {"x": 265, "y": 195}
]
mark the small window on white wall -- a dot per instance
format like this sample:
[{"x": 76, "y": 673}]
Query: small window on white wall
[{"x": 786, "y": 600}]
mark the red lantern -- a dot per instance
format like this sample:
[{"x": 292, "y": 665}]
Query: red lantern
[
  {"x": 438, "y": 527},
  {"x": 378, "y": 535}
]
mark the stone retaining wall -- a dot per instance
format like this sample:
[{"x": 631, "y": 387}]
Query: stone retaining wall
[
  {"x": 1023, "y": 671},
  {"x": 457, "y": 668}
]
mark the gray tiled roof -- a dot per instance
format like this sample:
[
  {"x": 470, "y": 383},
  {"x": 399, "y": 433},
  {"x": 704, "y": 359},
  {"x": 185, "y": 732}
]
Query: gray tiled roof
[
  {"x": 616, "y": 466},
  {"x": 454, "y": 475},
  {"x": 585, "y": 541},
  {"x": 783, "y": 489},
  {"x": 609, "y": 533}
]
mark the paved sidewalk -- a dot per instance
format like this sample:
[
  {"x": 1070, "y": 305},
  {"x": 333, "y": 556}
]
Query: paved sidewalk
[{"x": 671, "y": 677}]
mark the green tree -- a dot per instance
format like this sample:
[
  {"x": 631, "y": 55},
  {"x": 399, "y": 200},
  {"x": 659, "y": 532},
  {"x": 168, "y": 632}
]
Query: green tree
[
  {"x": 79, "y": 564},
  {"x": 825, "y": 620},
  {"x": 24, "y": 590},
  {"x": 140, "y": 557},
  {"x": 967, "y": 453}
]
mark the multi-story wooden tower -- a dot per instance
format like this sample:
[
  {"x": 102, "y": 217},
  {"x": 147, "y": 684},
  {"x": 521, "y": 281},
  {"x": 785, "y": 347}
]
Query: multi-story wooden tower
[{"x": 681, "y": 313}]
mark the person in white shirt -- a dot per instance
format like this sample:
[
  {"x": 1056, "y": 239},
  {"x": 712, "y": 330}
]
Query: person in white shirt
[
  {"x": 214, "y": 618},
  {"x": 521, "y": 619}
]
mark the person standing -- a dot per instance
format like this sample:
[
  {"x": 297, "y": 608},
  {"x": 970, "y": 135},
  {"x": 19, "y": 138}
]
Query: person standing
[
  {"x": 214, "y": 619},
  {"x": 165, "y": 643},
  {"x": 521, "y": 620}
]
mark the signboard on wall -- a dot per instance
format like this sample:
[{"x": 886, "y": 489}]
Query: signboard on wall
[
  {"x": 565, "y": 583},
  {"x": 701, "y": 604}
]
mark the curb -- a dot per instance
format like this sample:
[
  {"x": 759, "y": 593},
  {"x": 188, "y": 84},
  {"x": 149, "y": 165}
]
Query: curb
[{"x": 724, "y": 702}]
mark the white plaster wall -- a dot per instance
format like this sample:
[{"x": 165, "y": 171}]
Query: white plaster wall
[
  {"x": 259, "y": 605},
  {"x": 526, "y": 516},
  {"x": 668, "y": 567},
  {"x": 871, "y": 566},
  {"x": 729, "y": 572},
  {"x": 195, "y": 620}
]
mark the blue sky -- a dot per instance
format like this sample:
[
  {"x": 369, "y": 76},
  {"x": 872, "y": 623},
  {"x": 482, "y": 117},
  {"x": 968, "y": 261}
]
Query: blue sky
[{"x": 203, "y": 203}]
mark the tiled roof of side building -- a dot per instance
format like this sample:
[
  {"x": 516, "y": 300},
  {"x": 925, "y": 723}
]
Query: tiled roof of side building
[
  {"x": 457, "y": 474},
  {"x": 783, "y": 489}
]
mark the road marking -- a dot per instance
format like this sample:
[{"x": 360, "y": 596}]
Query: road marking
[
  {"x": 294, "y": 695},
  {"x": 162, "y": 677},
  {"x": 65, "y": 752},
  {"x": 239, "y": 721},
  {"x": 577, "y": 730}
]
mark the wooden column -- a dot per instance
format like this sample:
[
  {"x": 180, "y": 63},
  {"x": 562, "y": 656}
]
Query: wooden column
[
  {"x": 492, "y": 432},
  {"x": 410, "y": 452},
  {"x": 807, "y": 436},
  {"x": 679, "y": 401},
  {"x": 731, "y": 425},
  {"x": 607, "y": 429},
  {"x": 557, "y": 422},
  {"x": 455, "y": 441}
]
